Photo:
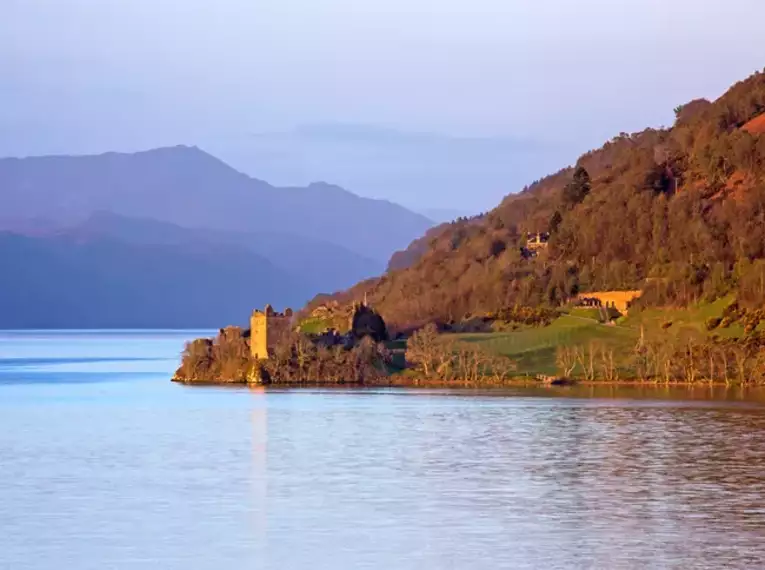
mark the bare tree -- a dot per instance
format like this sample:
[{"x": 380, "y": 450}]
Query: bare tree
[
  {"x": 565, "y": 358},
  {"x": 608, "y": 365},
  {"x": 586, "y": 359}
]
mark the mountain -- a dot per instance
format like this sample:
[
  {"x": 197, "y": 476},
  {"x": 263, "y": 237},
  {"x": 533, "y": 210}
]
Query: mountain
[
  {"x": 174, "y": 237},
  {"x": 465, "y": 173},
  {"x": 71, "y": 282},
  {"x": 115, "y": 272},
  {"x": 677, "y": 212},
  {"x": 320, "y": 265},
  {"x": 187, "y": 187}
]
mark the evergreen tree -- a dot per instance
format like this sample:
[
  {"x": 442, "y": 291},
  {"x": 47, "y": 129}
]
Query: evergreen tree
[
  {"x": 555, "y": 221},
  {"x": 576, "y": 190}
]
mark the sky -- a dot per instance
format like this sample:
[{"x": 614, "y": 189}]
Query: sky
[{"x": 82, "y": 76}]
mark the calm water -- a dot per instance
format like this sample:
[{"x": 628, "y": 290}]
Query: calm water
[{"x": 106, "y": 464}]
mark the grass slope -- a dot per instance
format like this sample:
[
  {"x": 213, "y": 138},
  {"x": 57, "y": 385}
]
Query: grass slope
[{"x": 534, "y": 349}]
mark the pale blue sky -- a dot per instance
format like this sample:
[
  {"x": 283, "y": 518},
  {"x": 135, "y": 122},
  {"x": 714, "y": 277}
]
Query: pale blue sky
[{"x": 90, "y": 75}]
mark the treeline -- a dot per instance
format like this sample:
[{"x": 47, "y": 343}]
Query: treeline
[
  {"x": 502, "y": 320},
  {"x": 441, "y": 358},
  {"x": 679, "y": 210},
  {"x": 692, "y": 360}
]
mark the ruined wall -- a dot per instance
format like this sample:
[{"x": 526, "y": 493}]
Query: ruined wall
[
  {"x": 267, "y": 328},
  {"x": 279, "y": 328},
  {"x": 617, "y": 299}
]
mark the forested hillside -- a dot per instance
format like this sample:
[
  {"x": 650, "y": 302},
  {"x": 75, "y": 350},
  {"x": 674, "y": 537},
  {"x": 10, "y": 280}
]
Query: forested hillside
[
  {"x": 677, "y": 211},
  {"x": 415, "y": 250}
]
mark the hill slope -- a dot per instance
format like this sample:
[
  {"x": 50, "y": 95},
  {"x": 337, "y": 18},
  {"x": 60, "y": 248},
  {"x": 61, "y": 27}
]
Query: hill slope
[
  {"x": 683, "y": 206},
  {"x": 414, "y": 251},
  {"x": 320, "y": 265},
  {"x": 68, "y": 282}
]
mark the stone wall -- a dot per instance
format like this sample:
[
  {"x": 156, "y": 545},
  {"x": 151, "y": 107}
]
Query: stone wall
[
  {"x": 266, "y": 329},
  {"x": 617, "y": 299}
]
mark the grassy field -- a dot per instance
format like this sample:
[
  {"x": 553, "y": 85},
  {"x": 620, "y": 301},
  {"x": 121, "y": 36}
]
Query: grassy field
[
  {"x": 313, "y": 325},
  {"x": 534, "y": 349},
  {"x": 316, "y": 325},
  {"x": 686, "y": 321},
  {"x": 586, "y": 313}
]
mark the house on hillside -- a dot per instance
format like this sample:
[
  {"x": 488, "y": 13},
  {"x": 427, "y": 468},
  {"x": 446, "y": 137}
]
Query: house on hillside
[{"x": 535, "y": 242}]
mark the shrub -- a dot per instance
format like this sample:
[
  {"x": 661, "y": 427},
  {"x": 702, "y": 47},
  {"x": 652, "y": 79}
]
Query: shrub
[
  {"x": 196, "y": 360},
  {"x": 713, "y": 323},
  {"x": 731, "y": 311}
]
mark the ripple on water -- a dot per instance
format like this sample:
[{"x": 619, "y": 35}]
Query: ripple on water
[{"x": 142, "y": 473}]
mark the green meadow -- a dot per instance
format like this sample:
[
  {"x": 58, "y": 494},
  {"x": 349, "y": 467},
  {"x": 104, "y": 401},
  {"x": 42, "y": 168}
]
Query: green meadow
[{"x": 534, "y": 349}]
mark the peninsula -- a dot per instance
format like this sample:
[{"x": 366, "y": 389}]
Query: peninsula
[{"x": 643, "y": 262}]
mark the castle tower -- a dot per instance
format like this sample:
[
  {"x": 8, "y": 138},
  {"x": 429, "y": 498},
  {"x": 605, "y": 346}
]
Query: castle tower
[
  {"x": 259, "y": 335},
  {"x": 266, "y": 328}
]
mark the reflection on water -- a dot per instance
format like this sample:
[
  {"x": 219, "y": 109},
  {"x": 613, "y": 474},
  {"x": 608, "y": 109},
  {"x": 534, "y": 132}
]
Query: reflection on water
[{"x": 141, "y": 473}]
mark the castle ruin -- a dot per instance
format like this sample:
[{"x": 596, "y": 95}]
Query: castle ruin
[
  {"x": 619, "y": 300},
  {"x": 267, "y": 327}
]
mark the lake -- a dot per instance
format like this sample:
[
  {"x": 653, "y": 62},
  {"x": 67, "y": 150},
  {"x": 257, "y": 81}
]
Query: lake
[{"x": 104, "y": 463}]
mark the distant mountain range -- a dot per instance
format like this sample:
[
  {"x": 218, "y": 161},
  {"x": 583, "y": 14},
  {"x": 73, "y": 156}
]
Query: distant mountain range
[
  {"x": 174, "y": 237},
  {"x": 190, "y": 188},
  {"x": 424, "y": 171},
  {"x": 65, "y": 282}
]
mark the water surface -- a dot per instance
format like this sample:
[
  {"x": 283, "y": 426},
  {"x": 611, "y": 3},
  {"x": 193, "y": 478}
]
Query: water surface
[{"x": 106, "y": 464}]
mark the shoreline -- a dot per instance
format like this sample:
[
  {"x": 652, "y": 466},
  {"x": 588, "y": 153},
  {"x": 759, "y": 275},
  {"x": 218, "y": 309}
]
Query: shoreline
[{"x": 393, "y": 382}]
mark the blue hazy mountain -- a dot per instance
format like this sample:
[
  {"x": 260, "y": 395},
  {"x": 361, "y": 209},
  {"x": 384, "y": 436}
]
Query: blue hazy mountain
[
  {"x": 190, "y": 188},
  {"x": 66, "y": 282},
  {"x": 176, "y": 238},
  {"x": 320, "y": 265}
]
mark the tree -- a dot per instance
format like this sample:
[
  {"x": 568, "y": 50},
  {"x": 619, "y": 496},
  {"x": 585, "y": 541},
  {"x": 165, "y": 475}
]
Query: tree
[
  {"x": 577, "y": 190},
  {"x": 422, "y": 348},
  {"x": 692, "y": 109},
  {"x": 367, "y": 322},
  {"x": 555, "y": 222},
  {"x": 565, "y": 359}
]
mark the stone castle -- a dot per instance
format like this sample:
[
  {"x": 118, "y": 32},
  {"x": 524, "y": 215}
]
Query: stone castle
[{"x": 266, "y": 328}]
